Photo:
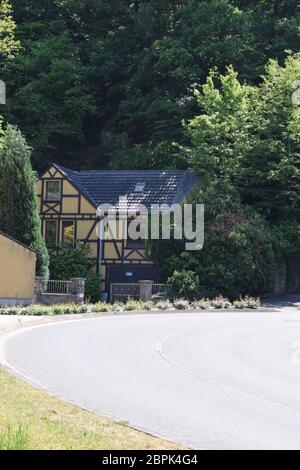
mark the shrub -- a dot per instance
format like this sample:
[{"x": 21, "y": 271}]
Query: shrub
[
  {"x": 57, "y": 310},
  {"x": 68, "y": 309},
  {"x": 83, "y": 308},
  {"x": 70, "y": 262},
  {"x": 253, "y": 303},
  {"x": 202, "y": 304},
  {"x": 184, "y": 285},
  {"x": 147, "y": 306},
  {"x": 36, "y": 310},
  {"x": 239, "y": 304},
  {"x": 75, "y": 309},
  {"x": 11, "y": 311},
  {"x": 75, "y": 262},
  {"x": 181, "y": 304},
  {"x": 133, "y": 306},
  {"x": 164, "y": 305},
  {"x": 92, "y": 288},
  {"x": 238, "y": 257},
  {"x": 118, "y": 307},
  {"x": 220, "y": 302},
  {"x": 248, "y": 302},
  {"x": 101, "y": 307}
]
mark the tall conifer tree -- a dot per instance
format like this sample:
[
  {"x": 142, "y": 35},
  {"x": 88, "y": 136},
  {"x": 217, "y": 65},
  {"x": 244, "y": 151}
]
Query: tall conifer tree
[{"x": 19, "y": 215}]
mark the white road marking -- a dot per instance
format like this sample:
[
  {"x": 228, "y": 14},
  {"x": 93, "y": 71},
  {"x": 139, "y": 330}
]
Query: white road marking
[{"x": 165, "y": 357}]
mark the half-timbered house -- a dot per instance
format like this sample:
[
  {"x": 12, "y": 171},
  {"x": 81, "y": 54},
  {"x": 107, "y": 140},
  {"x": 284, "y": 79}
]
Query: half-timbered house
[{"x": 68, "y": 210}]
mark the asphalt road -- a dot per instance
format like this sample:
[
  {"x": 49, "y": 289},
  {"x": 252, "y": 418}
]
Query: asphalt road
[{"x": 207, "y": 380}]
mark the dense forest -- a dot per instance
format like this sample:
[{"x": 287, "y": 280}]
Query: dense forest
[
  {"x": 208, "y": 85},
  {"x": 107, "y": 83}
]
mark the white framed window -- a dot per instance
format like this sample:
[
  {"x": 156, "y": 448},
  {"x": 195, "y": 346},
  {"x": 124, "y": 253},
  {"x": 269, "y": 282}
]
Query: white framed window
[{"x": 52, "y": 190}]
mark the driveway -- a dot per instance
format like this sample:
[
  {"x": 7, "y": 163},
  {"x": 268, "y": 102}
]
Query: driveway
[{"x": 207, "y": 380}]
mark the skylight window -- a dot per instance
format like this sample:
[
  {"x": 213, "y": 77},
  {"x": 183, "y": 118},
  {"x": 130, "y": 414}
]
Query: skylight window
[{"x": 140, "y": 188}]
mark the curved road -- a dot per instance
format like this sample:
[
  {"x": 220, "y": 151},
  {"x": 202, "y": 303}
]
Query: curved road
[{"x": 207, "y": 380}]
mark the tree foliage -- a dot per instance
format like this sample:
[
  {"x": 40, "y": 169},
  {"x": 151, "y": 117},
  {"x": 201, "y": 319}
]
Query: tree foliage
[
  {"x": 53, "y": 100},
  {"x": 8, "y": 43},
  {"x": 71, "y": 262},
  {"x": 239, "y": 255},
  {"x": 245, "y": 142},
  {"x": 250, "y": 136},
  {"x": 107, "y": 82},
  {"x": 19, "y": 215}
]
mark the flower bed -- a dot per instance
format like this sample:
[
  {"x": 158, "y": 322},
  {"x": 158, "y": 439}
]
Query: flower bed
[{"x": 133, "y": 306}]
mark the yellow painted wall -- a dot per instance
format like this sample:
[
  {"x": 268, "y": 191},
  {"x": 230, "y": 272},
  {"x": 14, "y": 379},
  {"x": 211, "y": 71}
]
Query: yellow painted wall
[
  {"x": 52, "y": 170},
  {"x": 110, "y": 251},
  {"x": 70, "y": 205},
  {"x": 87, "y": 207},
  {"x": 135, "y": 255},
  {"x": 39, "y": 187},
  {"x": 69, "y": 189},
  {"x": 83, "y": 229},
  {"x": 17, "y": 270}
]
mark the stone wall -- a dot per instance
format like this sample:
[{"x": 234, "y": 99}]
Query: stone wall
[{"x": 74, "y": 296}]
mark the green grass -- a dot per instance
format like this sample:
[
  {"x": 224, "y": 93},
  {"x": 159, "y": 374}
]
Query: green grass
[
  {"x": 33, "y": 420},
  {"x": 13, "y": 438}
]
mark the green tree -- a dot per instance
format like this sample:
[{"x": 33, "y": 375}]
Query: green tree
[
  {"x": 250, "y": 137},
  {"x": 19, "y": 215},
  {"x": 239, "y": 255},
  {"x": 53, "y": 100},
  {"x": 8, "y": 43},
  {"x": 71, "y": 262},
  {"x": 102, "y": 83}
]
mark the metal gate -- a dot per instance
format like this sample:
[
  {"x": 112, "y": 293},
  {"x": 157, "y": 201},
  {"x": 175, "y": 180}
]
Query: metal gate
[{"x": 124, "y": 292}]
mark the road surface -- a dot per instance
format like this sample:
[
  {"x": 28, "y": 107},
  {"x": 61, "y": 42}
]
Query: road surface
[{"x": 207, "y": 380}]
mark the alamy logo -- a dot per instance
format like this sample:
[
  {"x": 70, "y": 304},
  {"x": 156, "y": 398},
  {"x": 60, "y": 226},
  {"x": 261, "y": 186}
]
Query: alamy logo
[
  {"x": 296, "y": 94},
  {"x": 161, "y": 222}
]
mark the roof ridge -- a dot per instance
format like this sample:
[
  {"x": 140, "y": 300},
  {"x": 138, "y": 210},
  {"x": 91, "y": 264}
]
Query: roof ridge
[
  {"x": 130, "y": 171},
  {"x": 64, "y": 168}
]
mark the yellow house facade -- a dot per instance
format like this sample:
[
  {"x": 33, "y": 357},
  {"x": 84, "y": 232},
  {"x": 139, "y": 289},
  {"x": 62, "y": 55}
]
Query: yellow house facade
[
  {"x": 17, "y": 272},
  {"x": 69, "y": 200}
]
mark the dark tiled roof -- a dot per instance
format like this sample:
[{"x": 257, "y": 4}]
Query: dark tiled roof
[{"x": 106, "y": 187}]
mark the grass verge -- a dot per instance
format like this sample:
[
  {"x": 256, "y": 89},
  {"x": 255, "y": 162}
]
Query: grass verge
[{"x": 31, "y": 419}]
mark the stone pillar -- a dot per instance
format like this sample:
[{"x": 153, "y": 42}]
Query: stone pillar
[
  {"x": 38, "y": 289},
  {"x": 78, "y": 288},
  {"x": 146, "y": 290}
]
